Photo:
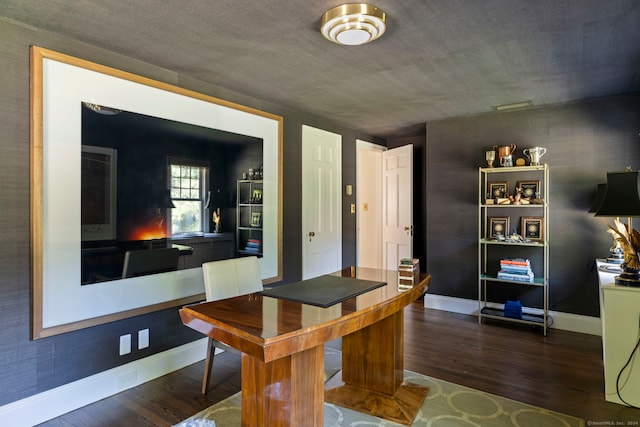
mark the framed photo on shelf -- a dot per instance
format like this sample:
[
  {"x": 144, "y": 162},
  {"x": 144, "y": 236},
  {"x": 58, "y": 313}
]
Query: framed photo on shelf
[
  {"x": 530, "y": 189},
  {"x": 256, "y": 196},
  {"x": 498, "y": 189},
  {"x": 498, "y": 226},
  {"x": 256, "y": 220},
  {"x": 532, "y": 227}
]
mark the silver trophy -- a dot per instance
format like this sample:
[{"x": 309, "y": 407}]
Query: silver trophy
[{"x": 534, "y": 154}]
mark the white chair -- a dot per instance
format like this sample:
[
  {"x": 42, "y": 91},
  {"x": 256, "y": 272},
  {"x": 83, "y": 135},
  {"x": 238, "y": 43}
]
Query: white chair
[{"x": 225, "y": 279}]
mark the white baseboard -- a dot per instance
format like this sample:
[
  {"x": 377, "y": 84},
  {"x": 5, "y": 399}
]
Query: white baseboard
[
  {"x": 69, "y": 397},
  {"x": 565, "y": 321}
]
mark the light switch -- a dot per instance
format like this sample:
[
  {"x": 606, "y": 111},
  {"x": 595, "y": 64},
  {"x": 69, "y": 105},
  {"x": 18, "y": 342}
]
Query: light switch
[
  {"x": 143, "y": 339},
  {"x": 125, "y": 344}
]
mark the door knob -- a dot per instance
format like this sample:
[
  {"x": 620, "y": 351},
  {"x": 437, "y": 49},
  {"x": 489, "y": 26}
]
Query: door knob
[{"x": 311, "y": 234}]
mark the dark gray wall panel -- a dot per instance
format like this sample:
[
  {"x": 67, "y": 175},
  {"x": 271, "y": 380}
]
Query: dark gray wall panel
[{"x": 584, "y": 141}]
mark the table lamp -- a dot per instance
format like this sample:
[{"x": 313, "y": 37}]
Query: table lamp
[
  {"x": 621, "y": 199},
  {"x": 616, "y": 255}
]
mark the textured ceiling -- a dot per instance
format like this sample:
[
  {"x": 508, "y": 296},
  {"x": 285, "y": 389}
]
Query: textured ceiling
[{"x": 438, "y": 59}]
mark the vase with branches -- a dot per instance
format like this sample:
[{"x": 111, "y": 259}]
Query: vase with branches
[{"x": 629, "y": 241}]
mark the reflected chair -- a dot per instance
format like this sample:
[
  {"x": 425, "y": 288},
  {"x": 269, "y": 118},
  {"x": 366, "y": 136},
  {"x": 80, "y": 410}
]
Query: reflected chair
[
  {"x": 149, "y": 261},
  {"x": 226, "y": 279}
]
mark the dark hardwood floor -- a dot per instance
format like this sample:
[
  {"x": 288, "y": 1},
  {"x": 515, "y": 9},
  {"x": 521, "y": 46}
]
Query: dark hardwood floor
[{"x": 562, "y": 371}]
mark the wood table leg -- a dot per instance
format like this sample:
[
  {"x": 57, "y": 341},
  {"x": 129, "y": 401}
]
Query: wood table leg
[
  {"x": 373, "y": 373},
  {"x": 286, "y": 392}
]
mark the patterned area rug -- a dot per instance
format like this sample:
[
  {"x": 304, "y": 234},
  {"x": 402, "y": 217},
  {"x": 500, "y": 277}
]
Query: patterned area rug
[{"x": 446, "y": 405}]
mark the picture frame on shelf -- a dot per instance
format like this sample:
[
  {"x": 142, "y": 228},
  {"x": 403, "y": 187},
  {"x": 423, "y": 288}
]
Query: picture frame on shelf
[
  {"x": 498, "y": 226},
  {"x": 532, "y": 228},
  {"x": 256, "y": 197},
  {"x": 498, "y": 189},
  {"x": 256, "y": 219},
  {"x": 530, "y": 189}
]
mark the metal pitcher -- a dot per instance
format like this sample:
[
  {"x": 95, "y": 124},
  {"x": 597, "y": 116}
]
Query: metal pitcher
[
  {"x": 505, "y": 150},
  {"x": 505, "y": 153}
]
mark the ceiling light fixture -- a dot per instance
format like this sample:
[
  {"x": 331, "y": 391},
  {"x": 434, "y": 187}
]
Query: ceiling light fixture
[
  {"x": 513, "y": 106},
  {"x": 353, "y": 24}
]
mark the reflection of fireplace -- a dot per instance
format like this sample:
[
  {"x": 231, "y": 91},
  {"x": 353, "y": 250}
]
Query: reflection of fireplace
[
  {"x": 145, "y": 225},
  {"x": 104, "y": 260},
  {"x": 149, "y": 232}
]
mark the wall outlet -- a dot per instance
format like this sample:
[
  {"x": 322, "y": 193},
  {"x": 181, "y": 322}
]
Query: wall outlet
[
  {"x": 125, "y": 344},
  {"x": 143, "y": 339}
]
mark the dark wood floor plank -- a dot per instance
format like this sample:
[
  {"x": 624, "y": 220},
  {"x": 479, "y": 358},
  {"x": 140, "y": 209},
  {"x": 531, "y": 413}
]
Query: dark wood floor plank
[{"x": 562, "y": 371}]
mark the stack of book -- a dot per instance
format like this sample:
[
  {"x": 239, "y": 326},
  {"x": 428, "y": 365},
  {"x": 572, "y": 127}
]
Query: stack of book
[
  {"x": 408, "y": 273},
  {"x": 517, "y": 269},
  {"x": 254, "y": 246}
]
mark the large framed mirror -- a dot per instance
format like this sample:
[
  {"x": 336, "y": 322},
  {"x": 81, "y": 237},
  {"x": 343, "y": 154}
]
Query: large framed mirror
[{"x": 66, "y": 95}]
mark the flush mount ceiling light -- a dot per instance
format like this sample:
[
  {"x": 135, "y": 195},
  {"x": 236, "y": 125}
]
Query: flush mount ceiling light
[{"x": 353, "y": 24}]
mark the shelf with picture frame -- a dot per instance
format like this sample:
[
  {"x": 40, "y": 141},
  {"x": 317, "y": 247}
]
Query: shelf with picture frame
[
  {"x": 249, "y": 218},
  {"x": 513, "y": 222}
]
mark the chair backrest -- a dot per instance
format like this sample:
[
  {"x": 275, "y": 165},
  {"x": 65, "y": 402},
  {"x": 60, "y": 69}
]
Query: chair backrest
[
  {"x": 231, "y": 277},
  {"x": 149, "y": 261}
]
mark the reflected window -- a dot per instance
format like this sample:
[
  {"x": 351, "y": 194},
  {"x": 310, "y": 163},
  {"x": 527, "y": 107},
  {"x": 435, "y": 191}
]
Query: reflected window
[{"x": 189, "y": 188}]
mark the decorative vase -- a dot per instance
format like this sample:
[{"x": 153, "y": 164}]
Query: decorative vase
[{"x": 628, "y": 276}]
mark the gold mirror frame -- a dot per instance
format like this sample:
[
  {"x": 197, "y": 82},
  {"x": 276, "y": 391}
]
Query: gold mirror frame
[{"x": 59, "y": 303}]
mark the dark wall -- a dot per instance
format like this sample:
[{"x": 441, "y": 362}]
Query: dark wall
[
  {"x": 584, "y": 140},
  {"x": 30, "y": 367}
]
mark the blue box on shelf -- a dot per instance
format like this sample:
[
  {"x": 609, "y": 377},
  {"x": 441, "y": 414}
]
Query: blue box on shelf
[{"x": 513, "y": 309}]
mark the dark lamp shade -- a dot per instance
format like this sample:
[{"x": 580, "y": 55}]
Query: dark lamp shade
[
  {"x": 621, "y": 197},
  {"x": 602, "y": 189}
]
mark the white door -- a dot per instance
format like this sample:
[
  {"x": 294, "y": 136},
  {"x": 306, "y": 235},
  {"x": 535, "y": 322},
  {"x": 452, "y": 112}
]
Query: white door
[
  {"x": 369, "y": 204},
  {"x": 397, "y": 210},
  {"x": 321, "y": 202}
]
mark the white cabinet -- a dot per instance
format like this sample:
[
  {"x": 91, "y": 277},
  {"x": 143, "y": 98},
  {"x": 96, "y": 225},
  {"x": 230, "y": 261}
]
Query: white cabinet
[
  {"x": 620, "y": 315},
  {"x": 499, "y": 219}
]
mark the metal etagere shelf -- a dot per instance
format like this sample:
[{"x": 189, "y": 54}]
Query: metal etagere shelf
[
  {"x": 249, "y": 217},
  {"x": 487, "y": 244}
]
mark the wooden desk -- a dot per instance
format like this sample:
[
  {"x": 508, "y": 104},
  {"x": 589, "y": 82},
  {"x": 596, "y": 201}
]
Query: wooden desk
[{"x": 283, "y": 352}]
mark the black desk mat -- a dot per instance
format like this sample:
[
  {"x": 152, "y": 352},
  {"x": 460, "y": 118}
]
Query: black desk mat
[{"x": 322, "y": 291}]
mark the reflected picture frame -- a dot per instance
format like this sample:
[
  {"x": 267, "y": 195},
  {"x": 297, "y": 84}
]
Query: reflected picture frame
[{"x": 256, "y": 220}]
